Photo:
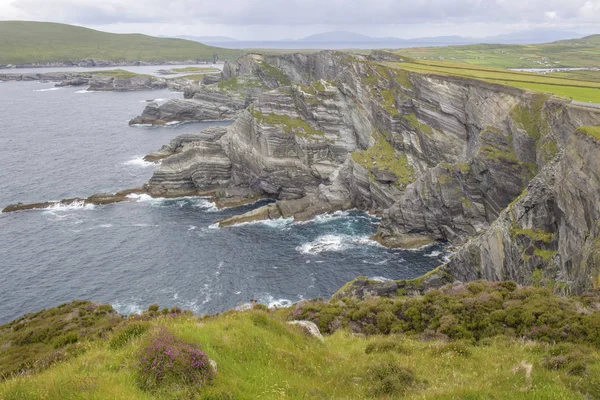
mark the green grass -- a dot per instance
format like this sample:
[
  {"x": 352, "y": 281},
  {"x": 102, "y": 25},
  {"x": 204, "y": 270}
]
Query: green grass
[
  {"x": 260, "y": 356},
  {"x": 416, "y": 124},
  {"x": 193, "y": 77},
  {"x": 540, "y": 236},
  {"x": 37, "y": 340},
  {"x": 297, "y": 126},
  {"x": 583, "y": 52},
  {"x": 584, "y": 75},
  {"x": 593, "y": 131},
  {"x": 384, "y": 157},
  {"x": 581, "y": 90},
  {"x": 117, "y": 73},
  {"x": 28, "y": 42}
]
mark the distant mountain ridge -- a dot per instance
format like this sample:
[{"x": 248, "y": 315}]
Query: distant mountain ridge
[{"x": 524, "y": 37}]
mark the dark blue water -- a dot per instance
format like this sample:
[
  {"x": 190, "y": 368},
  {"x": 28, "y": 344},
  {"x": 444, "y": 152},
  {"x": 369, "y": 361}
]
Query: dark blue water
[{"x": 66, "y": 143}]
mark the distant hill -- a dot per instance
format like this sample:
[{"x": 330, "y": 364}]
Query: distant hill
[
  {"x": 208, "y": 39},
  {"x": 573, "y": 53},
  {"x": 39, "y": 42},
  {"x": 523, "y": 37},
  {"x": 340, "y": 36}
]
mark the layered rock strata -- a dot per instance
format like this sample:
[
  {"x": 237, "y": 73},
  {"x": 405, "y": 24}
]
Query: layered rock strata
[{"x": 508, "y": 177}]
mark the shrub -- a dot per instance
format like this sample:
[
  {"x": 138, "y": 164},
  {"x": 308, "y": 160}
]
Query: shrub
[
  {"x": 64, "y": 340},
  {"x": 458, "y": 348},
  {"x": 386, "y": 345},
  {"x": 169, "y": 360},
  {"x": 124, "y": 335},
  {"x": 153, "y": 308},
  {"x": 390, "y": 379}
]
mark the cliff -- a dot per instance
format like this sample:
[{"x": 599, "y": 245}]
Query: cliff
[
  {"x": 486, "y": 167},
  {"x": 506, "y": 176}
]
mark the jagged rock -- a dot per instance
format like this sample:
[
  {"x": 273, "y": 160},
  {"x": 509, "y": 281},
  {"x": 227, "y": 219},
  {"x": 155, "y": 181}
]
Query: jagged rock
[
  {"x": 552, "y": 227},
  {"x": 384, "y": 176},
  {"x": 138, "y": 82},
  {"x": 310, "y": 327}
]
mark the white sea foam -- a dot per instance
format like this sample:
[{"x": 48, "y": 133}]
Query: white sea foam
[
  {"x": 335, "y": 243},
  {"x": 204, "y": 203},
  {"x": 434, "y": 254},
  {"x": 105, "y": 226},
  {"x": 272, "y": 223},
  {"x": 139, "y": 161},
  {"x": 214, "y": 226},
  {"x": 140, "y": 197},
  {"x": 46, "y": 90},
  {"x": 382, "y": 262},
  {"x": 272, "y": 302},
  {"x": 380, "y": 279},
  {"x": 152, "y": 100},
  {"x": 75, "y": 205},
  {"x": 192, "y": 228},
  {"x": 87, "y": 91}
]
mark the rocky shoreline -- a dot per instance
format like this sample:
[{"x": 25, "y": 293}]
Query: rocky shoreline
[
  {"x": 91, "y": 63},
  {"x": 507, "y": 176},
  {"x": 104, "y": 81}
]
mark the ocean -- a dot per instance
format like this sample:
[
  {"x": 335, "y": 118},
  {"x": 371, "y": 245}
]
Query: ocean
[{"x": 65, "y": 142}]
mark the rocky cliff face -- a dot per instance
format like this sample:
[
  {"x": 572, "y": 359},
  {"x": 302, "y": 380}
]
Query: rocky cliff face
[{"x": 507, "y": 176}]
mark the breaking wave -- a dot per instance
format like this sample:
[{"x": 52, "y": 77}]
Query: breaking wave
[
  {"x": 272, "y": 223},
  {"x": 335, "y": 243},
  {"x": 139, "y": 162},
  {"x": 46, "y": 90},
  {"x": 76, "y": 205}
]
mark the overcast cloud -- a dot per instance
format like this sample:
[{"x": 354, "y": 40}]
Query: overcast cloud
[{"x": 276, "y": 19}]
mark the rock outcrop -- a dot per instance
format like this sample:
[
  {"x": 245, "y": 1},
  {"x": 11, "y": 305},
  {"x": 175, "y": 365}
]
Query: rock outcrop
[
  {"x": 104, "y": 81},
  {"x": 441, "y": 158},
  {"x": 115, "y": 84}
]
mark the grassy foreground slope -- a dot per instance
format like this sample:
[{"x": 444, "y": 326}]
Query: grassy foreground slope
[
  {"x": 584, "y": 52},
  {"x": 473, "y": 341},
  {"x": 40, "y": 42}
]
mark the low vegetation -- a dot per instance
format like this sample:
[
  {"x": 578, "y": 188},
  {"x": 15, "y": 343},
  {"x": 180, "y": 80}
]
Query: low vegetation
[
  {"x": 238, "y": 84},
  {"x": 297, "y": 126},
  {"x": 470, "y": 341},
  {"x": 383, "y": 156},
  {"x": 117, "y": 73},
  {"x": 42, "y": 42},
  {"x": 593, "y": 131},
  {"x": 576, "y": 89}
]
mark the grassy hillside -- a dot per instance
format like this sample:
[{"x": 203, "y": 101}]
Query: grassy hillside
[
  {"x": 474, "y": 341},
  {"x": 26, "y": 42},
  {"x": 583, "y": 52},
  {"x": 577, "y": 86}
]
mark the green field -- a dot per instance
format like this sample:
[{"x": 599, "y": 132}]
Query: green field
[
  {"x": 41, "y": 42},
  {"x": 580, "y": 87},
  {"x": 583, "y": 52}
]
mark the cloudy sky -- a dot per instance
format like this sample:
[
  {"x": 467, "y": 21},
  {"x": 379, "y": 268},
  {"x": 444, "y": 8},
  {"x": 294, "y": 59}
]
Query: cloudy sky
[{"x": 283, "y": 19}]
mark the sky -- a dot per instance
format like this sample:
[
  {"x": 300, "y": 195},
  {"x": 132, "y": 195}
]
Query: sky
[{"x": 292, "y": 19}]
